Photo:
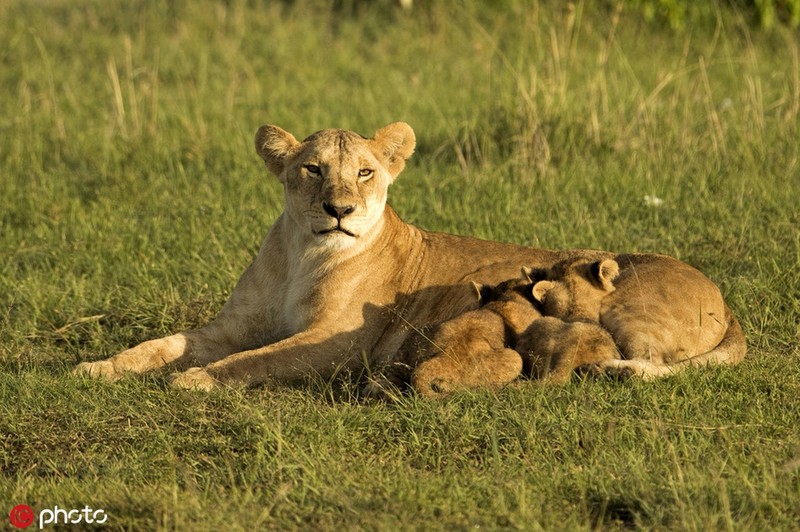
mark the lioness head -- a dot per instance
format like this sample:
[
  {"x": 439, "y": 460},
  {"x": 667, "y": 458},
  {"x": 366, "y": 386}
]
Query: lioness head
[
  {"x": 335, "y": 181},
  {"x": 573, "y": 289}
]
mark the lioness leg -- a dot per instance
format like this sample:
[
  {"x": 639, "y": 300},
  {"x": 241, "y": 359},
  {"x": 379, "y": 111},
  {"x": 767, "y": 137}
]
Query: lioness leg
[
  {"x": 182, "y": 350},
  {"x": 648, "y": 370},
  {"x": 196, "y": 347},
  {"x": 384, "y": 387},
  {"x": 314, "y": 352},
  {"x": 143, "y": 357}
]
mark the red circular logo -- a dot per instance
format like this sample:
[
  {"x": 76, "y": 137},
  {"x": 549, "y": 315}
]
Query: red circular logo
[{"x": 21, "y": 516}]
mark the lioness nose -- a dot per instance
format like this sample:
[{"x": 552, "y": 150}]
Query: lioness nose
[{"x": 338, "y": 211}]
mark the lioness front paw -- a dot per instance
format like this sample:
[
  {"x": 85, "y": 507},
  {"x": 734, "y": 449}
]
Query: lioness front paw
[
  {"x": 194, "y": 379},
  {"x": 102, "y": 369}
]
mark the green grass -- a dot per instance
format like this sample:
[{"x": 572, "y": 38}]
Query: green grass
[{"x": 131, "y": 199}]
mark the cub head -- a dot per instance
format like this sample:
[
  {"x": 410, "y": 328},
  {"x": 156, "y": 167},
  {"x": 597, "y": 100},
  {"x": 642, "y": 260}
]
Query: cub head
[
  {"x": 573, "y": 289},
  {"x": 516, "y": 290},
  {"x": 335, "y": 181},
  {"x": 513, "y": 301}
]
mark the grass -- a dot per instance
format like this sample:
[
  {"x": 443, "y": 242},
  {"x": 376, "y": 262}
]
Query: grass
[{"x": 131, "y": 199}]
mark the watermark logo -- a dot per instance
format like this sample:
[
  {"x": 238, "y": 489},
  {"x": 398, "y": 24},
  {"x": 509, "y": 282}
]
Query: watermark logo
[{"x": 23, "y": 516}]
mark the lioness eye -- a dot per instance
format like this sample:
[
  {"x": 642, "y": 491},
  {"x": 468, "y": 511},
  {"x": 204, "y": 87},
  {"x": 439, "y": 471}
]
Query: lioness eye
[
  {"x": 312, "y": 169},
  {"x": 365, "y": 172}
]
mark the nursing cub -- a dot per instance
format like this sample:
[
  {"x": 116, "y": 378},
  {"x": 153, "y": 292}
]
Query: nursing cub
[
  {"x": 471, "y": 350},
  {"x": 595, "y": 314},
  {"x": 662, "y": 314}
]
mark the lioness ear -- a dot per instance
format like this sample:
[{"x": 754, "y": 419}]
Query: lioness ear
[
  {"x": 540, "y": 289},
  {"x": 274, "y": 145},
  {"x": 395, "y": 143},
  {"x": 604, "y": 272}
]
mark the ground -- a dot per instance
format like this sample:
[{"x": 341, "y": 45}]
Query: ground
[{"x": 132, "y": 199}]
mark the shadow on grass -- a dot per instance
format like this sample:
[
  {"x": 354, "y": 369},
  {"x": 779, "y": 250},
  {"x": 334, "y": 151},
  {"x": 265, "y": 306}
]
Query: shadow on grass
[{"x": 617, "y": 511}]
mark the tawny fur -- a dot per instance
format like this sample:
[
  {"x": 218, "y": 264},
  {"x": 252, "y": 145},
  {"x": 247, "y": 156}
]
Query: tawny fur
[
  {"x": 552, "y": 348},
  {"x": 574, "y": 289},
  {"x": 340, "y": 279},
  {"x": 662, "y": 314},
  {"x": 471, "y": 350}
]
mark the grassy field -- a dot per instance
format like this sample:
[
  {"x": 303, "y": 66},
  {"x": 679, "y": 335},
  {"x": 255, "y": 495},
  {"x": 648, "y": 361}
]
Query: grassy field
[{"x": 131, "y": 199}]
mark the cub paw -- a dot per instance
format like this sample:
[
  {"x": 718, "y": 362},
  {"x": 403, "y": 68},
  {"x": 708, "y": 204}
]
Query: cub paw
[
  {"x": 194, "y": 379},
  {"x": 619, "y": 372},
  {"x": 591, "y": 370},
  {"x": 102, "y": 369},
  {"x": 435, "y": 387},
  {"x": 381, "y": 389}
]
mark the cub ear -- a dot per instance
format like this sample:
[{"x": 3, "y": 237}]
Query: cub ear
[
  {"x": 395, "y": 143},
  {"x": 540, "y": 290},
  {"x": 274, "y": 145},
  {"x": 483, "y": 292},
  {"x": 534, "y": 274},
  {"x": 527, "y": 274},
  {"x": 478, "y": 290},
  {"x": 604, "y": 273}
]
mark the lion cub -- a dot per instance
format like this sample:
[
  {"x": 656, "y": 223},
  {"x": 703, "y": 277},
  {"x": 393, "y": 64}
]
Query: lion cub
[
  {"x": 663, "y": 314},
  {"x": 568, "y": 336},
  {"x": 471, "y": 350},
  {"x": 574, "y": 289}
]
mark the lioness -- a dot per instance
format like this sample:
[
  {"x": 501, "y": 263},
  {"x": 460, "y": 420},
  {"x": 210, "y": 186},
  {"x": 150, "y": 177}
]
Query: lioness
[
  {"x": 473, "y": 349},
  {"x": 663, "y": 315},
  {"x": 340, "y": 277}
]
